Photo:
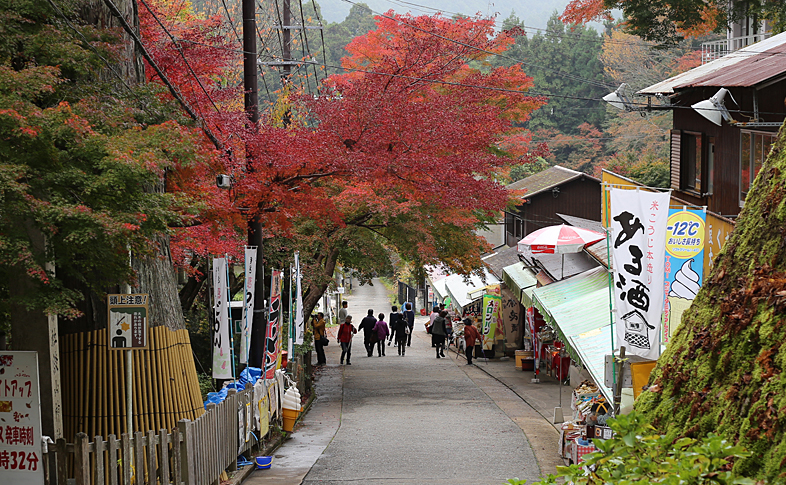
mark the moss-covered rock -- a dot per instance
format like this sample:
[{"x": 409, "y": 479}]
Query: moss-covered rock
[{"x": 723, "y": 371}]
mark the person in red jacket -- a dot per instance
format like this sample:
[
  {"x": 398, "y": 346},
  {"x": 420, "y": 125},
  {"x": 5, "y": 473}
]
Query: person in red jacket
[
  {"x": 471, "y": 336},
  {"x": 345, "y": 333}
]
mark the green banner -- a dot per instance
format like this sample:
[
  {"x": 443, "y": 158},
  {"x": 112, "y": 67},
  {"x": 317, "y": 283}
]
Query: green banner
[{"x": 491, "y": 319}]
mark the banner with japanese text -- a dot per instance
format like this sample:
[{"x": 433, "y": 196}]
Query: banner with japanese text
[
  {"x": 300, "y": 327},
  {"x": 684, "y": 269},
  {"x": 222, "y": 345},
  {"x": 273, "y": 331},
  {"x": 492, "y": 305},
  {"x": 248, "y": 305},
  {"x": 638, "y": 224},
  {"x": 20, "y": 419}
]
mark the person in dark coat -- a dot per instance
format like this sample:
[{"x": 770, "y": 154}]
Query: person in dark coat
[
  {"x": 369, "y": 336},
  {"x": 401, "y": 332},
  {"x": 394, "y": 319},
  {"x": 409, "y": 317},
  {"x": 319, "y": 331},
  {"x": 438, "y": 333}
]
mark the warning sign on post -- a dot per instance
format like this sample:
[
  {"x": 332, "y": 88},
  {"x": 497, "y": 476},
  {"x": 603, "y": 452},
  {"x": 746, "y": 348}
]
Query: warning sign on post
[
  {"x": 20, "y": 419},
  {"x": 127, "y": 326}
]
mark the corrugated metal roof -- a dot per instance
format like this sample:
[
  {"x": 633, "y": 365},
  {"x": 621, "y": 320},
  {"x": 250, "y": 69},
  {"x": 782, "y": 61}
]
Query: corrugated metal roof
[
  {"x": 459, "y": 289},
  {"x": 501, "y": 258},
  {"x": 592, "y": 347},
  {"x": 546, "y": 180},
  {"x": 578, "y": 309},
  {"x": 518, "y": 277},
  {"x": 746, "y": 67}
]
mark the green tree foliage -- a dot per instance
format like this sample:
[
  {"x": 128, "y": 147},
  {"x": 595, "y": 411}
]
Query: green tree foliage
[
  {"x": 637, "y": 454},
  {"x": 723, "y": 371},
  {"x": 563, "y": 60},
  {"x": 78, "y": 158},
  {"x": 338, "y": 35}
]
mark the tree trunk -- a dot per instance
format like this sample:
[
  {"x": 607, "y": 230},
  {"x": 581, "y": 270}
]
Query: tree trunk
[
  {"x": 156, "y": 276},
  {"x": 314, "y": 293}
]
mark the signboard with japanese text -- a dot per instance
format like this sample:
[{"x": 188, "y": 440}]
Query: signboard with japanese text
[
  {"x": 128, "y": 321},
  {"x": 272, "y": 334},
  {"x": 222, "y": 365},
  {"x": 20, "y": 419},
  {"x": 299, "y": 328},
  {"x": 511, "y": 316},
  {"x": 638, "y": 224},
  {"x": 684, "y": 268},
  {"x": 491, "y": 319},
  {"x": 248, "y": 304}
]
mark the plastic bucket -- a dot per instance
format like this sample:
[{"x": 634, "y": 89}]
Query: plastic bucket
[{"x": 640, "y": 371}]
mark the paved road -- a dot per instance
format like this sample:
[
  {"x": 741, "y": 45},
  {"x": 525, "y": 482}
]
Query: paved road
[{"x": 410, "y": 419}]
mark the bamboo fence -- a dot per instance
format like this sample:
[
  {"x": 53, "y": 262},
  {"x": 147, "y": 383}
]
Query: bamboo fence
[{"x": 165, "y": 387}]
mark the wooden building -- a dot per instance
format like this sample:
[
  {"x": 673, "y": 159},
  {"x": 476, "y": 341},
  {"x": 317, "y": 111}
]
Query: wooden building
[
  {"x": 713, "y": 164},
  {"x": 546, "y": 194}
]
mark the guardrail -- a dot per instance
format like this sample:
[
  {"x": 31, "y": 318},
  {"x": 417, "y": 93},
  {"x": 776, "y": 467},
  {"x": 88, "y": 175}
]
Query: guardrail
[{"x": 718, "y": 48}]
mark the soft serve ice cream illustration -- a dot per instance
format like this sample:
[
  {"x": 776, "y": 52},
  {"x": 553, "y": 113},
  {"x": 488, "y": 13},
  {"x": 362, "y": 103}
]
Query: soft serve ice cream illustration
[{"x": 683, "y": 290}]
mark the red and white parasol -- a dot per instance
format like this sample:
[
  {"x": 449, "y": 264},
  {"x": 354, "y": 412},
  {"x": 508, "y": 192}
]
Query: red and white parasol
[{"x": 560, "y": 239}]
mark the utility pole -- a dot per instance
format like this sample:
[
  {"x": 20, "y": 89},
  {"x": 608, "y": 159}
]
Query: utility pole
[
  {"x": 286, "y": 54},
  {"x": 251, "y": 105}
]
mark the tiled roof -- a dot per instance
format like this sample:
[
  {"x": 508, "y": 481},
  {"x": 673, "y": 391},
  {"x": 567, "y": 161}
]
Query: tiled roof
[{"x": 546, "y": 180}]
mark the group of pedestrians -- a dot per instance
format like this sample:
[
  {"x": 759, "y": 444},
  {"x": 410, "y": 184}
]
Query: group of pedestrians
[{"x": 376, "y": 331}]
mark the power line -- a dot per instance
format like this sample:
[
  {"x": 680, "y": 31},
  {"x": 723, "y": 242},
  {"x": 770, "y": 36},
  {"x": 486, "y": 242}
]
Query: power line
[
  {"x": 182, "y": 55},
  {"x": 172, "y": 89}
]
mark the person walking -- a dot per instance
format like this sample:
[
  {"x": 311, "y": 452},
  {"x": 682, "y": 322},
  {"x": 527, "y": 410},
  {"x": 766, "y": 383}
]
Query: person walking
[
  {"x": 471, "y": 336},
  {"x": 438, "y": 333},
  {"x": 433, "y": 316},
  {"x": 409, "y": 317},
  {"x": 345, "y": 333},
  {"x": 318, "y": 323},
  {"x": 381, "y": 328},
  {"x": 342, "y": 313},
  {"x": 401, "y": 332},
  {"x": 448, "y": 330},
  {"x": 395, "y": 317},
  {"x": 369, "y": 335}
]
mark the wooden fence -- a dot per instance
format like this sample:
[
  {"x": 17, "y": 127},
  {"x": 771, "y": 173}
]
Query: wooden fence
[{"x": 195, "y": 452}]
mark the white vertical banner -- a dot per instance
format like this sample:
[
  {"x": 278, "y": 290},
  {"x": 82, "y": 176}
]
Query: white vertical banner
[
  {"x": 222, "y": 366},
  {"x": 299, "y": 322},
  {"x": 248, "y": 305},
  {"x": 638, "y": 224}
]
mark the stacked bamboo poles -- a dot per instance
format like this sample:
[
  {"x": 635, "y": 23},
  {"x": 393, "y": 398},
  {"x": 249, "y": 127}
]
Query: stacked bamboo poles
[{"x": 165, "y": 387}]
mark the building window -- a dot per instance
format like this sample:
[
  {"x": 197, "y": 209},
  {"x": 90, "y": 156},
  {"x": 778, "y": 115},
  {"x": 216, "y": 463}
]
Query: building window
[
  {"x": 518, "y": 228},
  {"x": 754, "y": 148},
  {"x": 692, "y": 161}
]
